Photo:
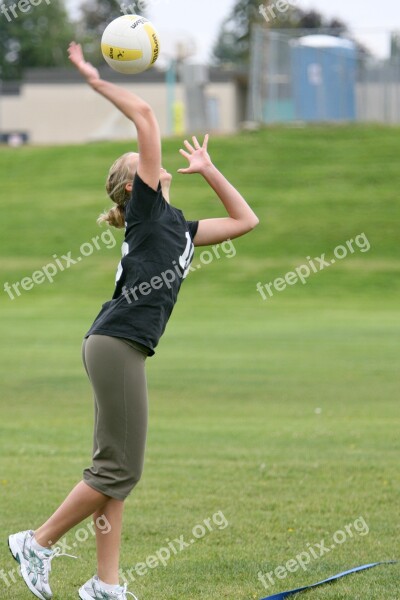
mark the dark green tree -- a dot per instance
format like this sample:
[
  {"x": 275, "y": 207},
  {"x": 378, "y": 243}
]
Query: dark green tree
[
  {"x": 37, "y": 38},
  {"x": 311, "y": 20},
  {"x": 233, "y": 43}
]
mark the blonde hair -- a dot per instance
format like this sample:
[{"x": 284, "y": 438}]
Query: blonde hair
[{"x": 121, "y": 173}]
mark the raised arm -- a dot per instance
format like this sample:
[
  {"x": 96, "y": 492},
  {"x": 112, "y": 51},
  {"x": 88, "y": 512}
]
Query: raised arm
[
  {"x": 135, "y": 109},
  {"x": 241, "y": 218}
]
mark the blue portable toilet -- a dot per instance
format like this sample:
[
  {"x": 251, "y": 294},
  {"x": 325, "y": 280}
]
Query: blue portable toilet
[{"x": 324, "y": 78}]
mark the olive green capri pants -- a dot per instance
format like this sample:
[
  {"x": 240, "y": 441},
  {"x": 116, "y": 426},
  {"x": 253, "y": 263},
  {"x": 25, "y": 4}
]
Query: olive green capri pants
[{"x": 116, "y": 371}]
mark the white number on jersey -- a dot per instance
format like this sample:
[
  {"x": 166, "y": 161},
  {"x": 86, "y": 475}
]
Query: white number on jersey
[
  {"x": 186, "y": 258},
  {"x": 125, "y": 251}
]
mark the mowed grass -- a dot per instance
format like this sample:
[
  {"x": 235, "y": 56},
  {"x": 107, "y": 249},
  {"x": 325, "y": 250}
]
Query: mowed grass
[{"x": 282, "y": 415}]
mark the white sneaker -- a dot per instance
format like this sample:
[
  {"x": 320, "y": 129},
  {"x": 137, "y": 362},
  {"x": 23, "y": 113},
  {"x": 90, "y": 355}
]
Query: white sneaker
[
  {"x": 92, "y": 590},
  {"x": 35, "y": 564}
]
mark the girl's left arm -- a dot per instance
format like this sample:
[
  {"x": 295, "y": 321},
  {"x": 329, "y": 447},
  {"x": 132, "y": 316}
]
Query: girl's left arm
[{"x": 241, "y": 219}]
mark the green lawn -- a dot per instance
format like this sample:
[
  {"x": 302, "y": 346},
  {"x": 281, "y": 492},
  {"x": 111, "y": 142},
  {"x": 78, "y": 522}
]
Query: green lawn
[{"x": 280, "y": 415}]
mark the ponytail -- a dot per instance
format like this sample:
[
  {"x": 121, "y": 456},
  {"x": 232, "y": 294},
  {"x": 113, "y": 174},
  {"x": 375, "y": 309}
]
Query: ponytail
[
  {"x": 115, "y": 217},
  {"x": 121, "y": 173}
]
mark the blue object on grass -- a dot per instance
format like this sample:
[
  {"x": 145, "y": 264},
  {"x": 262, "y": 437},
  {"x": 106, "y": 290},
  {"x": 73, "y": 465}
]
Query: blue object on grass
[{"x": 283, "y": 595}]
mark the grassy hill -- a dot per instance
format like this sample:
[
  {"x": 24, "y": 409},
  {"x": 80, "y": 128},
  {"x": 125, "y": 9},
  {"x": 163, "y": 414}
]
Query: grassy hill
[{"x": 281, "y": 414}]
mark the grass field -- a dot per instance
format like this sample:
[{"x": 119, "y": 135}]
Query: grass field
[{"x": 283, "y": 413}]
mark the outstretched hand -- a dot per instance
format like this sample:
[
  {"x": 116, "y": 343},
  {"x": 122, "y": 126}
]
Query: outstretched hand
[
  {"x": 197, "y": 156},
  {"x": 89, "y": 72}
]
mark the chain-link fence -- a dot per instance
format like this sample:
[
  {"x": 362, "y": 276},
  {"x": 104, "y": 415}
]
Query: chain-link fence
[{"x": 307, "y": 75}]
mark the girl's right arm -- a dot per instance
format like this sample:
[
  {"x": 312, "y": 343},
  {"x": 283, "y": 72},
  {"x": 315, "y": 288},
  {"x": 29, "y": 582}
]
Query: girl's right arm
[
  {"x": 135, "y": 109},
  {"x": 241, "y": 218}
]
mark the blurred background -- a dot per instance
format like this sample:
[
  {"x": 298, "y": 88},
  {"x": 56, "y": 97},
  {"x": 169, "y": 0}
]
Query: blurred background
[
  {"x": 281, "y": 412},
  {"x": 223, "y": 66}
]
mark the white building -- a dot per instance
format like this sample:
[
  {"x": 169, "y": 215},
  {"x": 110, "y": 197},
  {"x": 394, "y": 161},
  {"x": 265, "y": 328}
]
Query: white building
[{"x": 55, "y": 106}]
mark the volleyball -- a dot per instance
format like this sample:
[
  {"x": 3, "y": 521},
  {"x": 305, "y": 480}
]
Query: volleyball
[{"x": 130, "y": 44}]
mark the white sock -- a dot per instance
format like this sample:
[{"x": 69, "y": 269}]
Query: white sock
[
  {"x": 108, "y": 587},
  {"x": 37, "y": 546}
]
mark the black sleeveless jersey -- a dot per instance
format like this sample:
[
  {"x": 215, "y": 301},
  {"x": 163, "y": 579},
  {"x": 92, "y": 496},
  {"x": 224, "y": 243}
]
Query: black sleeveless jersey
[{"x": 157, "y": 252}]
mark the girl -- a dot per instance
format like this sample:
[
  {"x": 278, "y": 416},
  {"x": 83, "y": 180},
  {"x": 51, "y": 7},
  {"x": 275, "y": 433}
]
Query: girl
[{"x": 158, "y": 250}]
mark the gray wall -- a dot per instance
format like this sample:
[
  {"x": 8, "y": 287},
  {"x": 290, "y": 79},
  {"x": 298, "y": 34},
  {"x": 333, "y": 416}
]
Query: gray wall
[{"x": 59, "y": 112}]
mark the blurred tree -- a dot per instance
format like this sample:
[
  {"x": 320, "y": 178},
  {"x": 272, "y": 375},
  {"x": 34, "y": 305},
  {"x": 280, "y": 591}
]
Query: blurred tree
[
  {"x": 339, "y": 27},
  {"x": 311, "y": 20},
  {"x": 36, "y": 38},
  {"x": 233, "y": 43}
]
